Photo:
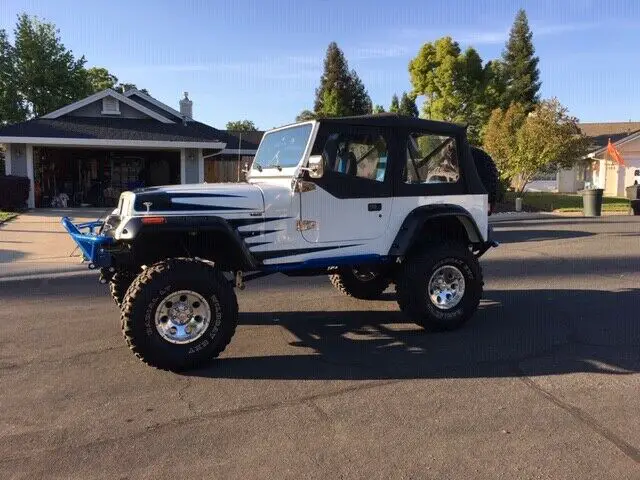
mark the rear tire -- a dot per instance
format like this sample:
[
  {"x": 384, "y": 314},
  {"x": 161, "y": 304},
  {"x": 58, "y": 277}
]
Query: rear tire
[
  {"x": 360, "y": 284},
  {"x": 179, "y": 314},
  {"x": 440, "y": 288}
]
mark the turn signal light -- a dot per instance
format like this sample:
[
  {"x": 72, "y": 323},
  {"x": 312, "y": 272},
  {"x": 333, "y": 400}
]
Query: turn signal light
[{"x": 153, "y": 220}]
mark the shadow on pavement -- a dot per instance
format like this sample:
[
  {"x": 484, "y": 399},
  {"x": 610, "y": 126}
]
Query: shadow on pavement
[
  {"x": 515, "y": 236},
  {"x": 537, "y": 332},
  {"x": 7, "y": 256}
]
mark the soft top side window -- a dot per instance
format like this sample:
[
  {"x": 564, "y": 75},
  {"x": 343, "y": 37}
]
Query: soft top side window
[{"x": 431, "y": 158}]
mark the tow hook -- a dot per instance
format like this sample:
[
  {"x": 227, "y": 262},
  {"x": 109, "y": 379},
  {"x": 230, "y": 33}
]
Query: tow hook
[{"x": 239, "y": 281}]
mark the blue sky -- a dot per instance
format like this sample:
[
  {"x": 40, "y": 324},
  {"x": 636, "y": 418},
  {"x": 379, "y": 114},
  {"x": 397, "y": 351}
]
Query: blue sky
[{"x": 262, "y": 59}]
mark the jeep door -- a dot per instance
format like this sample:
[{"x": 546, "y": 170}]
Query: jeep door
[{"x": 352, "y": 200}]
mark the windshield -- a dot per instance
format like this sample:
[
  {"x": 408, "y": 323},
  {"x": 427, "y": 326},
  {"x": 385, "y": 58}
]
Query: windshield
[{"x": 282, "y": 148}]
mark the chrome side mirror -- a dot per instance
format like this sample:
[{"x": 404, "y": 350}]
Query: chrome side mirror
[{"x": 315, "y": 166}]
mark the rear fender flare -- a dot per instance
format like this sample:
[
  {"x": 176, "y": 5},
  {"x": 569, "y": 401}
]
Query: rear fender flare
[{"x": 417, "y": 218}]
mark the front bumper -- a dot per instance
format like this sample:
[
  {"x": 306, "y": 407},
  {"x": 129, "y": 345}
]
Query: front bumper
[{"x": 92, "y": 244}]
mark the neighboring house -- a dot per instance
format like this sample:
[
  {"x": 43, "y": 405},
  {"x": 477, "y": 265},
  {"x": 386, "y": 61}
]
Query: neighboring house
[
  {"x": 598, "y": 168},
  {"x": 88, "y": 152}
]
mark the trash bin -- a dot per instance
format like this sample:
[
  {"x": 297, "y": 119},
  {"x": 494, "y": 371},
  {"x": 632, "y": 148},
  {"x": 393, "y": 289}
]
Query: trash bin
[
  {"x": 633, "y": 194},
  {"x": 592, "y": 202}
]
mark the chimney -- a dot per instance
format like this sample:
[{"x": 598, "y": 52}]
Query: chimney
[{"x": 186, "y": 106}]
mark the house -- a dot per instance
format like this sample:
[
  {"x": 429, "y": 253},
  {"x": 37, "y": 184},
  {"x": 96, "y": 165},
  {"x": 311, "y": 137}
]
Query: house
[
  {"x": 598, "y": 168},
  {"x": 86, "y": 153}
]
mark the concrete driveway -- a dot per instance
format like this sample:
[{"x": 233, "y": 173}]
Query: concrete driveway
[{"x": 36, "y": 242}]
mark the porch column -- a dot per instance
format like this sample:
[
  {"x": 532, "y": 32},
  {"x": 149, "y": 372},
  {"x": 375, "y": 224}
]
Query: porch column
[
  {"x": 31, "y": 203},
  {"x": 183, "y": 166},
  {"x": 7, "y": 159},
  {"x": 200, "y": 159}
]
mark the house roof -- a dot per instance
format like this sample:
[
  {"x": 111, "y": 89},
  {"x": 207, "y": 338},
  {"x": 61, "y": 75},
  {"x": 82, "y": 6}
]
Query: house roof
[
  {"x": 600, "y": 133},
  {"x": 109, "y": 92},
  {"x": 114, "y": 129}
]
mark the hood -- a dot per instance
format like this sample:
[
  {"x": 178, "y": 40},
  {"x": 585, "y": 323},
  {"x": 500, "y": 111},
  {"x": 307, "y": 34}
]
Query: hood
[{"x": 218, "y": 198}]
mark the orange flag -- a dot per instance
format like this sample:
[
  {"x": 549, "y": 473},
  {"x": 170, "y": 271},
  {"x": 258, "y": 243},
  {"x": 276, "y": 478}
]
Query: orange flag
[{"x": 615, "y": 154}]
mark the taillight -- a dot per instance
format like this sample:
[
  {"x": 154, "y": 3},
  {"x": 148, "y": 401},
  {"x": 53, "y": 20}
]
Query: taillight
[{"x": 153, "y": 220}]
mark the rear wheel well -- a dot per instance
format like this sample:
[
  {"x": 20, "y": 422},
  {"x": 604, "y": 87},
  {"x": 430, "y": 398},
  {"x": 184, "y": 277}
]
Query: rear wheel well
[{"x": 437, "y": 230}]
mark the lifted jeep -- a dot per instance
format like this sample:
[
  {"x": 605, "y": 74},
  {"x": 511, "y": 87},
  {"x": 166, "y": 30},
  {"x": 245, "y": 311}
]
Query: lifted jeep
[{"x": 370, "y": 201}]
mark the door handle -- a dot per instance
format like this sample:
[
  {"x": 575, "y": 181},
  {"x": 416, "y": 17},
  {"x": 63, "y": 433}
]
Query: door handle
[{"x": 374, "y": 207}]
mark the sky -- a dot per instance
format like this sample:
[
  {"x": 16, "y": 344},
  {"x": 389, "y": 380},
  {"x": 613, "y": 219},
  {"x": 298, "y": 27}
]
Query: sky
[{"x": 262, "y": 59}]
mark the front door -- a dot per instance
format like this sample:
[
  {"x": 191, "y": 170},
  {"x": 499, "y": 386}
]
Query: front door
[{"x": 352, "y": 201}]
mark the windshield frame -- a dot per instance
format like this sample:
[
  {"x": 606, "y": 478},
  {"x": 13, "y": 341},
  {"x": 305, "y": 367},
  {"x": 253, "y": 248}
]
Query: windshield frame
[{"x": 288, "y": 171}]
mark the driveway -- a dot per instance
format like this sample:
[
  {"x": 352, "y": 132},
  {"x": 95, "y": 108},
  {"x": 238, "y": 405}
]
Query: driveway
[{"x": 36, "y": 241}]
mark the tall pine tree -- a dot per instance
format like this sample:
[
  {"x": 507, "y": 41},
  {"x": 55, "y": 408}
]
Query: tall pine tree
[
  {"x": 341, "y": 92},
  {"x": 521, "y": 65},
  {"x": 407, "y": 106},
  {"x": 395, "y": 104}
]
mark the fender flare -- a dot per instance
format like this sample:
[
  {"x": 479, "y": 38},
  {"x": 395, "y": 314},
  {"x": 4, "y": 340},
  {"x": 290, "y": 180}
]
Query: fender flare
[
  {"x": 414, "y": 221},
  {"x": 134, "y": 227}
]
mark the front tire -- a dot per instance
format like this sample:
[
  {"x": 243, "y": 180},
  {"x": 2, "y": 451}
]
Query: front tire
[
  {"x": 179, "y": 314},
  {"x": 359, "y": 283},
  {"x": 440, "y": 288},
  {"x": 119, "y": 284}
]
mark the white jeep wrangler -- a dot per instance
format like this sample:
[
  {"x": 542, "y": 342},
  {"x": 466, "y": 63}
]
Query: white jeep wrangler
[{"x": 370, "y": 201}]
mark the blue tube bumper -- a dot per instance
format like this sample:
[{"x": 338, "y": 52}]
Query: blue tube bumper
[{"x": 90, "y": 243}]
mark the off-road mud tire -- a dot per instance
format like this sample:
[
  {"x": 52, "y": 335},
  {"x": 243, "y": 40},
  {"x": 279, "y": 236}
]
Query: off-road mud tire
[
  {"x": 346, "y": 282},
  {"x": 119, "y": 285},
  {"x": 412, "y": 287},
  {"x": 488, "y": 173},
  {"x": 154, "y": 284}
]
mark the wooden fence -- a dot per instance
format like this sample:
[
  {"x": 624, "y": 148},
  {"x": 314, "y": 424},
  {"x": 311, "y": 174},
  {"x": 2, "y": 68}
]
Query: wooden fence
[{"x": 222, "y": 170}]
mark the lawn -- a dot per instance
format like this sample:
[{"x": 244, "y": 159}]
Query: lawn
[
  {"x": 549, "y": 202},
  {"x": 4, "y": 216}
]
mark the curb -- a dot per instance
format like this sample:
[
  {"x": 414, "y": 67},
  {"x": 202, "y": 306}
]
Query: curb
[{"x": 45, "y": 276}]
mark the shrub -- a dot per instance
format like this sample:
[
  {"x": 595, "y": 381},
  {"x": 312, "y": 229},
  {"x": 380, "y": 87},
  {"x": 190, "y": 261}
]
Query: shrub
[{"x": 14, "y": 192}]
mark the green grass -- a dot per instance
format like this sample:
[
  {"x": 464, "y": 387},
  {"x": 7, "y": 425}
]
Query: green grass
[
  {"x": 561, "y": 202},
  {"x": 4, "y": 216}
]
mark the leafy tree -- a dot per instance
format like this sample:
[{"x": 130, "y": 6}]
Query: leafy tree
[
  {"x": 521, "y": 65},
  {"x": 525, "y": 144},
  {"x": 242, "y": 126},
  {"x": 125, "y": 87},
  {"x": 407, "y": 106},
  {"x": 48, "y": 75},
  {"x": 341, "y": 92},
  {"x": 378, "y": 109},
  {"x": 100, "y": 79},
  {"x": 452, "y": 82},
  {"x": 395, "y": 105},
  {"x": 305, "y": 115},
  {"x": 11, "y": 108}
]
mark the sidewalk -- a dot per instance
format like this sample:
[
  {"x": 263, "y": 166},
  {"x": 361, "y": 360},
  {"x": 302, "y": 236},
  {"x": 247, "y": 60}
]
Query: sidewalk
[{"x": 36, "y": 244}]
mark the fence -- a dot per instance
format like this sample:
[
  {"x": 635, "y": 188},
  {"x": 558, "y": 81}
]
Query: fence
[{"x": 224, "y": 169}]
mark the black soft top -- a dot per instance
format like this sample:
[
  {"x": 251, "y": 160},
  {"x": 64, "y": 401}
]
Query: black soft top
[{"x": 398, "y": 121}]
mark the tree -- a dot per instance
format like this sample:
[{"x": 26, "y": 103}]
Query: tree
[
  {"x": 524, "y": 144},
  {"x": 305, "y": 115},
  {"x": 341, "y": 92},
  {"x": 451, "y": 81},
  {"x": 11, "y": 108},
  {"x": 395, "y": 105},
  {"x": 100, "y": 79},
  {"x": 407, "y": 106},
  {"x": 378, "y": 109},
  {"x": 48, "y": 75},
  {"x": 241, "y": 126},
  {"x": 125, "y": 87},
  {"x": 521, "y": 65}
]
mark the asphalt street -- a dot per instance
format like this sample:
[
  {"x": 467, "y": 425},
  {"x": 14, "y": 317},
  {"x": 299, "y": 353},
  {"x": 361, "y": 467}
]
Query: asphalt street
[{"x": 543, "y": 383}]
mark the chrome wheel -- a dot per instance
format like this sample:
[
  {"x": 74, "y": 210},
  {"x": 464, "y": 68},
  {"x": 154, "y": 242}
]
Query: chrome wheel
[
  {"x": 446, "y": 287},
  {"x": 182, "y": 317}
]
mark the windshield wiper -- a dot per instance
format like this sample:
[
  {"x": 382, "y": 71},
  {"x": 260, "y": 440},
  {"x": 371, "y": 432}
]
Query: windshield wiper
[{"x": 276, "y": 166}]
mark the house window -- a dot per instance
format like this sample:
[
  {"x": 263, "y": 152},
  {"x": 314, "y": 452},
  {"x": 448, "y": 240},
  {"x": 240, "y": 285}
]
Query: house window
[{"x": 110, "y": 106}]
